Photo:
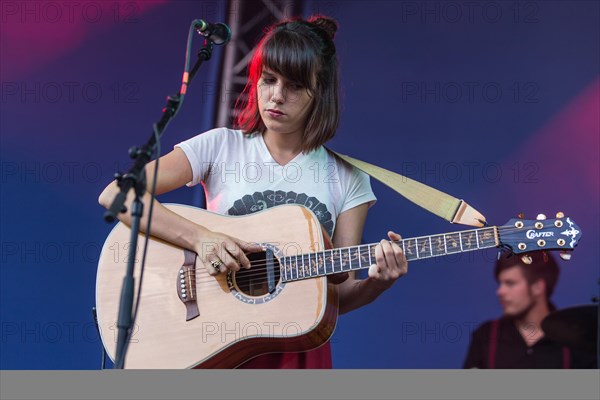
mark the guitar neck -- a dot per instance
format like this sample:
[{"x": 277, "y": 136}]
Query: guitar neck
[{"x": 329, "y": 262}]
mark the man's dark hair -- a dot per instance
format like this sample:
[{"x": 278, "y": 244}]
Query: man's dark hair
[{"x": 542, "y": 267}]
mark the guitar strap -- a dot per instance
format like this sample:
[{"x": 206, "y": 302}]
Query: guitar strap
[{"x": 439, "y": 203}]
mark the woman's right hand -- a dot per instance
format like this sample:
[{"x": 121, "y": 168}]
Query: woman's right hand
[
  {"x": 220, "y": 252},
  {"x": 211, "y": 247}
]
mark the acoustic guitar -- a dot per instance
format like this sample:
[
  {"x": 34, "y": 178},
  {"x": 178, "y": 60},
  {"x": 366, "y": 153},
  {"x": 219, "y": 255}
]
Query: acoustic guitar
[{"x": 283, "y": 303}]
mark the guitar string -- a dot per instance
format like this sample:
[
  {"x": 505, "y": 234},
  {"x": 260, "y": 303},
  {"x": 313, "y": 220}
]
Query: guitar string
[
  {"x": 301, "y": 272},
  {"x": 409, "y": 241},
  {"x": 257, "y": 278},
  {"x": 446, "y": 236},
  {"x": 261, "y": 277},
  {"x": 355, "y": 250}
]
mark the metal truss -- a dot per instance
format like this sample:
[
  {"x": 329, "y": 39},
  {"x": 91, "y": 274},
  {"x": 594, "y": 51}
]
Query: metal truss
[{"x": 247, "y": 20}]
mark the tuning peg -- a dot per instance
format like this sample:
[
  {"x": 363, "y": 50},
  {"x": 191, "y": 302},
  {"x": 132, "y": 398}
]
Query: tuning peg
[
  {"x": 560, "y": 214},
  {"x": 565, "y": 256},
  {"x": 540, "y": 217},
  {"x": 521, "y": 215},
  {"x": 526, "y": 259}
]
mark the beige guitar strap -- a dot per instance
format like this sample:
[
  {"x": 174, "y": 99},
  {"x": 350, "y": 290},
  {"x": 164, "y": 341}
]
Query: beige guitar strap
[{"x": 439, "y": 203}]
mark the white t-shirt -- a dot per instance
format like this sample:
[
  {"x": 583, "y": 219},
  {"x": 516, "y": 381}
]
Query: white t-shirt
[{"x": 240, "y": 177}]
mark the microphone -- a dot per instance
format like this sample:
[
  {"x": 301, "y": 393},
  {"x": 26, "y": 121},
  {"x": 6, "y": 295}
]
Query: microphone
[{"x": 217, "y": 33}]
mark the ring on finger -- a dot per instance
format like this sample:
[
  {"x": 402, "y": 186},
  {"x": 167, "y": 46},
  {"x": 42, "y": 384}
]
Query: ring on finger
[{"x": 216, "y": 264}]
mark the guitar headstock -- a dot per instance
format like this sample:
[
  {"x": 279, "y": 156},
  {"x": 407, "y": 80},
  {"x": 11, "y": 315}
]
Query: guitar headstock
[{"x": 522, "y": 235}]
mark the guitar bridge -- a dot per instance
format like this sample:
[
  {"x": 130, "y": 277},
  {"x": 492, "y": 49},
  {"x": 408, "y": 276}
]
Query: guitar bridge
[{"x": 186, "y": 285}]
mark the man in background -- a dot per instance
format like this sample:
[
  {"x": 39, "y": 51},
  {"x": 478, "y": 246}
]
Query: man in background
[{"x": 517, "y": 340}]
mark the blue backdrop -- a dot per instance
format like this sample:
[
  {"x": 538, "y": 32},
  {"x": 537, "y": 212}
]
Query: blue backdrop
[{"x": 493, "y": 102}]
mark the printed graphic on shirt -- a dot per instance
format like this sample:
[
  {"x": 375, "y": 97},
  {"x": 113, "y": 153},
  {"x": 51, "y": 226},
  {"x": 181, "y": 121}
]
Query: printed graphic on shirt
[{"x": 259, "y": 201}]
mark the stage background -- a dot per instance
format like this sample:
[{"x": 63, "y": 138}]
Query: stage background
[{"x": 493, "y": 102}]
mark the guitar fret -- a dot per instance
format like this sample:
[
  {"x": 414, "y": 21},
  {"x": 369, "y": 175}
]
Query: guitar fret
[
  {"x": 488, "y": 238},
  {"x": 424, "y": 243},
  {"x": 332, "y": 262},
  {"x": 341, "y": 263},
  {"x": 318, "y": 259},
  {"x": 477, "y": 237},
  {"x": 454, "y": 242},
  {"x": 409, "y": 253},
  {"x": 320, "y": 263},
  {"x": 430, "y": 247},
  {"x": 306, "y": 265},
  {"x": 285, "y": 277},
  {"x": 359, "y": 259},
  {"x": 460, "y": 241},
  {"x": 417, "y": 246},
  {"x": 349, "y": 259}
]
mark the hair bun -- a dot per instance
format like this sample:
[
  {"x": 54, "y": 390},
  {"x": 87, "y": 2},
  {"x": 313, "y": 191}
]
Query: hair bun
[{"x": 329, "y": 25}]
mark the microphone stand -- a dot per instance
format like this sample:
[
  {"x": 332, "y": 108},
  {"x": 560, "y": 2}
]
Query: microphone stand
[{"x": 135, "y": 179}]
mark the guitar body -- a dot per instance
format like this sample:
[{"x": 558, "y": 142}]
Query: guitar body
[
  {"x": 236, "y": 322},
  {"x": 189, "y": 319}
]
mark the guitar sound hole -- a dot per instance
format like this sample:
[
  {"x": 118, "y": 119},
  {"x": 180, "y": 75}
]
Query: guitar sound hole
[{"x": 264, "y": 270}]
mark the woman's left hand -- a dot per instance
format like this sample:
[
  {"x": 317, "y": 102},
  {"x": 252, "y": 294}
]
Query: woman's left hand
[{"x": 391, "y": 262}]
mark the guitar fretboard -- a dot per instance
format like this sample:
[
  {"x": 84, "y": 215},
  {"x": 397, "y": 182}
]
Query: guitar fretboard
[{"x": 327, "y": 262}]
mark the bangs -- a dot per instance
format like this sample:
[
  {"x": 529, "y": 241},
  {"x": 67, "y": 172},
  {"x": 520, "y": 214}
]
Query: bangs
[
  {"x": 304, "y": 54},
  {"x": 287, "y": 54}
]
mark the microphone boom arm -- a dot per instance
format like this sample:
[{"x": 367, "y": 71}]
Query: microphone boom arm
[{"x": 135, "y": 178}]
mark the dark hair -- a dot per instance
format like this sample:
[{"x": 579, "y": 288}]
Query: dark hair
[
  {"x": 543, "y": 266},
  {"x": 300, "y": 51}
]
